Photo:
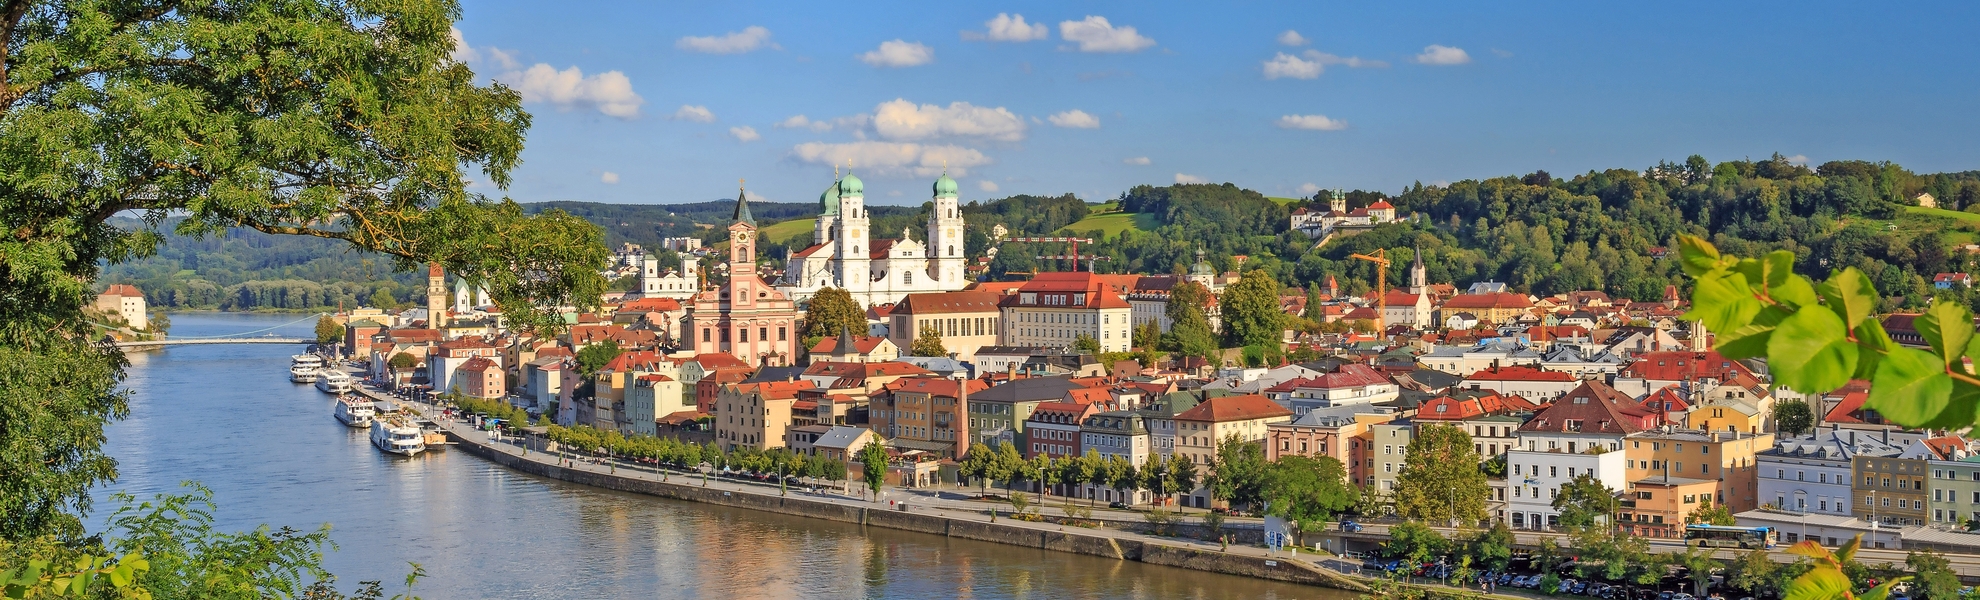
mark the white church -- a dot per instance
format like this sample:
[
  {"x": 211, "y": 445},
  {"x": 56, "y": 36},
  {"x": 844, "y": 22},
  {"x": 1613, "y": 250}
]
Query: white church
[
  {"x": 845, "y": 253},
  {"x": 678, "y": 284}
]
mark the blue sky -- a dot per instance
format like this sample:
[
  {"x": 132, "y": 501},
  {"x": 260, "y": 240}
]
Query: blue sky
[{"x": 655, "y": 103}]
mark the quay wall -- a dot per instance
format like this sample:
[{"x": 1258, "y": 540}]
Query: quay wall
[{"x": 1088, "y": 542}]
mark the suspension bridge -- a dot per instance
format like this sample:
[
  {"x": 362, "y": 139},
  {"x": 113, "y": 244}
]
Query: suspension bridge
[{"x": 245, "y": 337}]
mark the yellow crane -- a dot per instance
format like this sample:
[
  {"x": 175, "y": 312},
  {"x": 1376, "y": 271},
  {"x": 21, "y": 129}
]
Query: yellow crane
[{"x": 1381, "y": 260}]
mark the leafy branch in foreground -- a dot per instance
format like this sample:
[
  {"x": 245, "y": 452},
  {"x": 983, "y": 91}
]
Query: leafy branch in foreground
[
  {"x": 1816, "y": 337},
  {"x": 1825, "y": 580}
]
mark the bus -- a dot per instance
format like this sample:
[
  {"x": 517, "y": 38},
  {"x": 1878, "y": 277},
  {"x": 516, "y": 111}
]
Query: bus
[{"x": 1716, "y": 536}]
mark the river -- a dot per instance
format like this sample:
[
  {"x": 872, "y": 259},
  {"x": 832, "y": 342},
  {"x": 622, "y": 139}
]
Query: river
[{"x": 227, "y": 417}]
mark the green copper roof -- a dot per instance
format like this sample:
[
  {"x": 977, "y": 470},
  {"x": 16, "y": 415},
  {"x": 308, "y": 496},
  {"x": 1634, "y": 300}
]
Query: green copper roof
[
  {"x": 742, "y": 209},
  {"x": 828, "y": 202},
  {"x": 945, "y": 187},
  {"x": 851, "y": 186}
]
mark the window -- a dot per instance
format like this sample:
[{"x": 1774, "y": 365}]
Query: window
[{"x": 704, "y": 334}]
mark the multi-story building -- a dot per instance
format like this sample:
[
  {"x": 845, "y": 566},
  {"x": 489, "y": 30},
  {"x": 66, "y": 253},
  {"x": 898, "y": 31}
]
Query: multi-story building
[
  {"x": 1336, "y": 432},
  {"x": 1955, "y": 486},
  {"x": 846, "y": 253},
  {"x": 965, "y": 320},
  {"x": 1592, "y": 417},
  {"x": 1490, "y": 419},
  {"x": 1055, "y": 309},
  {"x": 652, "y": 397},
  {"x": 1159, "y": 416},
  {"x": 1387, "y": 451},
  {"x": 847, "y": 347},
  {"x": 124, "y": 300},
  {"x": 756, "y": 415},
  {"x": 1725, "y": 458},
  {"x": 997, "y": 415},
  {"x": 1889, "y": 490},
  {"x": 1248, "y": 418},
  {"x": 1349, "y": 384},
  {"x": 745, "y": 317},
  {"x": 1657, "y": 506},
  {"x": 1053, "y": 429},
  {"x": 481, "y": 378},
  {"x": 1535, "y": 476},
  {"x": 1812, "y": 474},
  {"x": 1116, "y": 433},
  {"x": 1461, "y": 360},
  {"x": 1497, "y": 308},
  {"x": 1526, "y": 382},
  {"x": 926, "y": 413}
]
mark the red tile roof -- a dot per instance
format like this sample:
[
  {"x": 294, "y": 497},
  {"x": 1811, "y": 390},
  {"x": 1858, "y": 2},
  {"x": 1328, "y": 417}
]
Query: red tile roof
[
  {"x": 651, "y": 305},
  {"x": 1665, "y": 400},
  {"x": 862, "y": 344},
  {"x": 1592, "y": 408},
  {"x": 947, "y": 303},
  {"x": 1847, "y": 410},
  {"x": 1224, "y": 409},
  {"x": 1684, "y": 366},
  {"x": 774, "y": 390},
  {"x": 935, "y": 386},
  {"x": 478, "y": 364},
  {"x": 1487, "y": 301},
  {"x": 122, "y": 289}
]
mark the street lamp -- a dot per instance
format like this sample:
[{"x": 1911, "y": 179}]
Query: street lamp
[{"x": 1873, "y": 518}]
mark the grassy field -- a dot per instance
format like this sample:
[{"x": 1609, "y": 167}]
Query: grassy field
[
  {"x": 1940, "y": 212},
  {"x": 1285, "y": 201},
  {"x": 785, "y": 230},
  {"x": 1112, "y": 224}
]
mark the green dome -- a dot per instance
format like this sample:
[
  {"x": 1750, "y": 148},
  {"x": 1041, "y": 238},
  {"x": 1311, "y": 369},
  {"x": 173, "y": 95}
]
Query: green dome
[
  {"x": 945, "y": 187},
  {"x": 851, "y": 186},
  {"x": 828, "y": 202}
]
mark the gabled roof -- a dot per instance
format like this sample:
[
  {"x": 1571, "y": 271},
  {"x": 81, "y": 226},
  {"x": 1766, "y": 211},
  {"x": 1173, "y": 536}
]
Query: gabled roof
[
  {"x": 1519, "y": 373},
  {"x": 1665, "y": 400},
  {"x": 1594, "y": 407},
  {"x": 1035, "y": 389},
  {"x": 947, "y": 303},
  {"x": 1490, "y": 300},
  {"x": 1684, "y": 366},
  {"x": 862, "y": 344},
  {"x": 775, "y": 390},
  {"x": 1849, "y": 409},
  {"x": 712, "y": 361},
  {"x": 1225, "y": 409},
  {"x": 651, "y": 305},
  {"x": 122, "y": 289},
  {"x": 478, "y": 364},
  {"x": 937, "y": 386}
]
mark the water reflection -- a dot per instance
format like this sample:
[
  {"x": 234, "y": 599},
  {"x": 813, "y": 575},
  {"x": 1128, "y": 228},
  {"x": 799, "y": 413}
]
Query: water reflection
[{"x": 228, "y": 417}]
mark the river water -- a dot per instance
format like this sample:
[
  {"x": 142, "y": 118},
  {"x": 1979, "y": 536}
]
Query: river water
[{"x": 227, "y": 417}]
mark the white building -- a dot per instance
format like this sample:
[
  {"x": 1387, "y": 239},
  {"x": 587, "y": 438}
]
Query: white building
[
  {"x": 1534, "y": 477},
  {"x": 678, "y": 284},
  {"x": 1523, "y": 381},
  {"x": 1465, "y": 360},
  {"x": 845, "y": 254},
  {"x": 1054, "y": 309}
]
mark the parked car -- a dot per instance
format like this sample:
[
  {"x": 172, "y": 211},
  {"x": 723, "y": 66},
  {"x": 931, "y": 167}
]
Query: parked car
[
  {"x": 1350, "y": 526},
  {"x": 1117, "y": 505}
]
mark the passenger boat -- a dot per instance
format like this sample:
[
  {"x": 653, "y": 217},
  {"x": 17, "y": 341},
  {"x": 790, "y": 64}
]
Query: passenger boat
[
  {"x": 355, "y": 411},
  {"x": 303, "y": 367},
  {"x": 332, "y": 380},
  {"x": 396, "y": 433}
]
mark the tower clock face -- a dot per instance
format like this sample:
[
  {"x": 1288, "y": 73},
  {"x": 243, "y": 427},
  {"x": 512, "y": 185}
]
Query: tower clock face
[{"x": 742, "y": 236}]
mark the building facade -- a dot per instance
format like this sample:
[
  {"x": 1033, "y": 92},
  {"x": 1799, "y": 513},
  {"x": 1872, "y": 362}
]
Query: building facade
[
  {"x": 845, "y": 253},
  {"x": 745, "y": 318}
]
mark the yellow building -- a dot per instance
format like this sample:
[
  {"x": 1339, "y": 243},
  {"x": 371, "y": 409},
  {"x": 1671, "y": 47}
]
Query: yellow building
[{"x": 1727, "y": 458}]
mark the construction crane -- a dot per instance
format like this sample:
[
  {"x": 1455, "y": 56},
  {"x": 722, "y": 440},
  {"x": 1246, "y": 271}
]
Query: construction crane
[
  {"x": 1381, "y": 260},
  {"x": 1075, "y": 256}
]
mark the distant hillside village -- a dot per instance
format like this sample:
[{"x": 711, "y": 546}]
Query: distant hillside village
[{"x": 1547, "y": 389}]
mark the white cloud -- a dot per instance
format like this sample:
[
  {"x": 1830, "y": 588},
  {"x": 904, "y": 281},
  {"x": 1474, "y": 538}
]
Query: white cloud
[
  {"x": 745, "y": 133},
  {"x": 610, "y": 92},
  {"x": 900, "y": 119},
  {"x": 1075, "y": 119},
  {"x": 822, "y": 125},
  {"x": 1501, "y": 53},
  {"x": 1442, "y": 55},
  {"x": 899, "y": 53},
  {"x": 1095, "y": 34},
  {"x": 986, "y": 185},
  {"x": 1009, "y": 28},
  {"x": 1313, "y": 64},
  {"x": 1313, "y": 122},
  {"x": 698, "y": 114},
  {"x": 892, "y": 159},
  {"x": 1308, "y": 189},
  {"x": 1798, "y": 159},
  {"x": 1186, "y": 178},
  {"x": 750, "y": 38},
  {"x": 1138, "y": 160},
  {"x": 608, "y": 177},
  {"x": 1292, "y": 38}
]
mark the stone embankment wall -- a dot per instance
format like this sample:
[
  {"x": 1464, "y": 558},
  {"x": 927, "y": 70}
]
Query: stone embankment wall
[{"x": 1081, "y": 542}]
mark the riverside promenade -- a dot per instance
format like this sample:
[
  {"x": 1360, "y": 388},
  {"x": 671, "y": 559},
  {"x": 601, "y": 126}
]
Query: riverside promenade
[{"x": 896, "y": 509}]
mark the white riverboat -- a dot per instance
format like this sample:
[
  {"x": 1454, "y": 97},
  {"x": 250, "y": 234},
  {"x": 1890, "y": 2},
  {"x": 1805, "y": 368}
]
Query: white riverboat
[
  {"x": 332, "y": 380},
  {"x": 355, "y": 411},
  {"x": 303, "y": 367},
  {"x": 396, "y": 433}
]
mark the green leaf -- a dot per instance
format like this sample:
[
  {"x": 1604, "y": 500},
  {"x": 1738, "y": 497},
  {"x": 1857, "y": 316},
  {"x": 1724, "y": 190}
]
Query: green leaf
[
  {"x": 1849, "y": 293},
  {"x": 1883, "y": 590},
  {"x": 1948, "y": 327},
  {"x": 1746, "y": 342},
  {"x": 1811, "y": 353},
  {"x": 1876, "y": 343},
  {"x": 1911, "y": 388},
  {"x": 1724, "y": 302},
  {"x": 1820, "y": 583},
  {"x": 1697, "y": 255},
  {"x": 1783, "y": 285}
]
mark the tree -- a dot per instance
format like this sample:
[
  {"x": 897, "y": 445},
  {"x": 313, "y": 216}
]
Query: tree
[
  {"x": 360, "y": 132},
  {"x": 1123, "y": 477},
  {"x": 1190, "y": 332},
  {"x": 1754, "y": 572},
  {"x": 1314, "y": 310},
  {"x": 1494, "y": 547},
  {"x": 1415, "y": 541},
  {"x": 328, "y": 331},
  {"x": 873, "y": 467},
  {"x": 1440, "y": 478},
  {"x": 1698, "y": 563},
  {"x": 382, "y": 299},
  {"x": 1584, "y": 502},
  {"x": 1182, "y": 474},
  {"x": 596, "y": 355},
  {"x": 401, "y": 361},
  {"x": 928, "y": 342},
  {"x": 1007, "y": 466},
  {"x": 1238, "y": 473},
  {"x": 1040, "y": 469},
  {"x": 1792, "y": 417},
  {"x": 1934, "y": 574},
  {"x": 1710, "y": 514},
  {"x": 977, "y": 464},
  {"x": 1307, "y": 491},
  {"x": 1085, "y": 344},
  {"x": 1095, "y": 468},
  {"x": 832, "y": 311},
  {"x": 1251, "y": 310}
]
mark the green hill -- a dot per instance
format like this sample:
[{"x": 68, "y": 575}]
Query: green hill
[{"x": 1113, "y": 223}]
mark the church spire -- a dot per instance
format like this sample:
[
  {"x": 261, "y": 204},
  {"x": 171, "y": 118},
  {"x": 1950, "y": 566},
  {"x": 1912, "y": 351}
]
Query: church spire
[{"x": 742, "y": 206}]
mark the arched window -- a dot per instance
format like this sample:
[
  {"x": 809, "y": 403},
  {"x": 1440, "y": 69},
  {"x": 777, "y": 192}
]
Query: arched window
[
  {"x": 907, "y": 277},
  {"x": 952, "y": 249}
]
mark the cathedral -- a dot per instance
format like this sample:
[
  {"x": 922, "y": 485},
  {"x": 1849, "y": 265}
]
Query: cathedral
[{"x": 844, "y": 252}]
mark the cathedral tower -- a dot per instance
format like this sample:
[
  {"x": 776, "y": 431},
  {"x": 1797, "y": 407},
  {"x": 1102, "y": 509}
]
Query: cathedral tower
[
  {"x": 854, "y": 238},
  {"x": 945, "y": 236},
  {"x": 436, "y": 296},
  {"x": 1419, "y": 277}
]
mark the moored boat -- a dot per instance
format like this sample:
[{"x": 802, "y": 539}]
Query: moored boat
[
  {"x": 303, "y": 367},
  {"x": 396, "y": 433},
  {"x": 332, "y": 380},
  {"x": 355, "y": 411}
]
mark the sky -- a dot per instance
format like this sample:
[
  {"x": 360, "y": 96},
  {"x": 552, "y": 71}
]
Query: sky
[{"x": 661, "y": 103}]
